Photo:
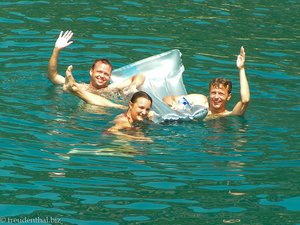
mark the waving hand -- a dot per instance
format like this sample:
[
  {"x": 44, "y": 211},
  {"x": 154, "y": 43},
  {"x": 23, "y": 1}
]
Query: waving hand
[{"x": 64, "y": 39}]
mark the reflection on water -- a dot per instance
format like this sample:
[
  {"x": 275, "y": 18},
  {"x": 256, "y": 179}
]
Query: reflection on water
[{"x": 118, "y": 148}]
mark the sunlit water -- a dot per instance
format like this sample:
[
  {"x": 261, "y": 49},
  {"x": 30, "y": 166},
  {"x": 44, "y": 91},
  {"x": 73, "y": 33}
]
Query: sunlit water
[{"x": 58, "y": 167}]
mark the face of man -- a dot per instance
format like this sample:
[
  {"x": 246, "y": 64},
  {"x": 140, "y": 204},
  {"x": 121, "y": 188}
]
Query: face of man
[
  {"x": 100, "y": 75},
  {"x": 140, "y": 109},
  {"x": 218, "y": 97}
]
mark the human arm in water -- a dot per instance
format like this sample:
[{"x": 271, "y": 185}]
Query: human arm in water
[
  {"x": 71, "y": 86},
  {"x": 122, "y": 124},
  {"x": 63, "y": 41},
  {"x": 241, "y": 107}
]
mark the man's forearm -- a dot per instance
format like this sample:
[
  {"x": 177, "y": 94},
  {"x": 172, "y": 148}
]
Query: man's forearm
[
  {"x": 244, "y": 87},
  {"x": 96, "y": 99},
  {"x": 53, "y": 75}
]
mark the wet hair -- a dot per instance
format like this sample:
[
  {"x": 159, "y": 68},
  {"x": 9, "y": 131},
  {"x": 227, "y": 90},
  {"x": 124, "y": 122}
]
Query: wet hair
[
  {"x": 104, "y": 61},
  {"x": 140, "y": 94},
  {"x": 218, "y": 82}
]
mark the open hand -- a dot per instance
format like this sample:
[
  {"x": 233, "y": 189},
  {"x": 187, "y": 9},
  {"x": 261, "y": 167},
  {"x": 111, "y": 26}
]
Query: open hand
[
  {"x": 64, "y": 39},
  {"x": 240, "y": 61}
]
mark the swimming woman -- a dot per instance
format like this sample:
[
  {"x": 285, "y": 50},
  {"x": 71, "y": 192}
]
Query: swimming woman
[{"x": 138, "y": 112}]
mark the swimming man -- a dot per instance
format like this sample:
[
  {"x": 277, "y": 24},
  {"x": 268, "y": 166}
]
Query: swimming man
[
  {"x": 100, "y": 72},
  {"x": 219, "y": 95}
]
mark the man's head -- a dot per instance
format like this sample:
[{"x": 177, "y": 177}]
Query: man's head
[
  {"x": 139, "y": 106},
  {"x": 219, "y": 94},
  {"x": 100, "y": 73}
]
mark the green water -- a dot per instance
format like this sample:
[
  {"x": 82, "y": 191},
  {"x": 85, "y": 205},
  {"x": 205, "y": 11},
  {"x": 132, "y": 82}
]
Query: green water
[{"x": 57, "y": 167}]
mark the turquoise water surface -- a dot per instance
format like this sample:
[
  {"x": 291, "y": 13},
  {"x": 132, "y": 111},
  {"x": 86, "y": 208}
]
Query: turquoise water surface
[{"x": 57, "y": 167}]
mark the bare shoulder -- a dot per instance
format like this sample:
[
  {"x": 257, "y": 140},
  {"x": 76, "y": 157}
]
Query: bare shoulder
[
  {"x": 113, "y": 85},
  {"x": 211, "y": 116},
  {"x": 121, "y": 122},
  {"x": 83, "y": 86},
  {"x": 120, "y": 118},
  {"x": 117, "y": 85}
]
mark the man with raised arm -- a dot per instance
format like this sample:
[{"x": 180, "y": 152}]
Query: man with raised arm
[
  {"x": 75, "y": 88},
  {"x": 100, "y": 71},
  {"x": 138, "y": 109},
  {"x": 219, "y": 95}
]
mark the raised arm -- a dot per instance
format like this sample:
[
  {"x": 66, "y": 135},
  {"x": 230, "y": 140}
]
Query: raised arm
[
  {"x": 241, "y": 107},
  {"x": 70, "y": 85},
  {"x": 62, "y": 42}
]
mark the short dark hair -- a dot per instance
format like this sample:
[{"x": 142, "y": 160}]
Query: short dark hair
[
  {"x": 217, "y": 82},
  {"x": 105, "y": 61},
  {"x": 140, "y": 94}
]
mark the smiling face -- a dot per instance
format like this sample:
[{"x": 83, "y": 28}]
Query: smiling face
[
  {"x": 139, "y": 110},
  {"x": 218, "y": 97},
  {"x": 100, "y": 75}
]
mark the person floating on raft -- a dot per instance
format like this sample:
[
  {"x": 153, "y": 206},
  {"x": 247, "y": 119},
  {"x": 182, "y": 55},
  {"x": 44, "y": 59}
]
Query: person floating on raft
[{"x": 219, "y": 94}]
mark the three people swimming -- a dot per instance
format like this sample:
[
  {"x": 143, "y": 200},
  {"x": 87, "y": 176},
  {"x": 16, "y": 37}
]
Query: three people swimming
[{"x": 100, "y": 72}]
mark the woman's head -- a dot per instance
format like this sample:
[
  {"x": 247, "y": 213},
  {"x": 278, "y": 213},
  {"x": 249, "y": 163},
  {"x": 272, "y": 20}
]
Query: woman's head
[{"x": 139, "y": 106}]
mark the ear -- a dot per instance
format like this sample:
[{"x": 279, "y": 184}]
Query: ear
[
  {"x": 91, "y": 71},
  {"x": 229, "y": 97},
  {"x": 130, "y": 105}
]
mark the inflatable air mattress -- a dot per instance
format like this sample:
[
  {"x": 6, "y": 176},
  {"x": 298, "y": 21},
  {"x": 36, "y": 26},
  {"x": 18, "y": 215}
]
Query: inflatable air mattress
[{"x": 163, "y": 77}]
